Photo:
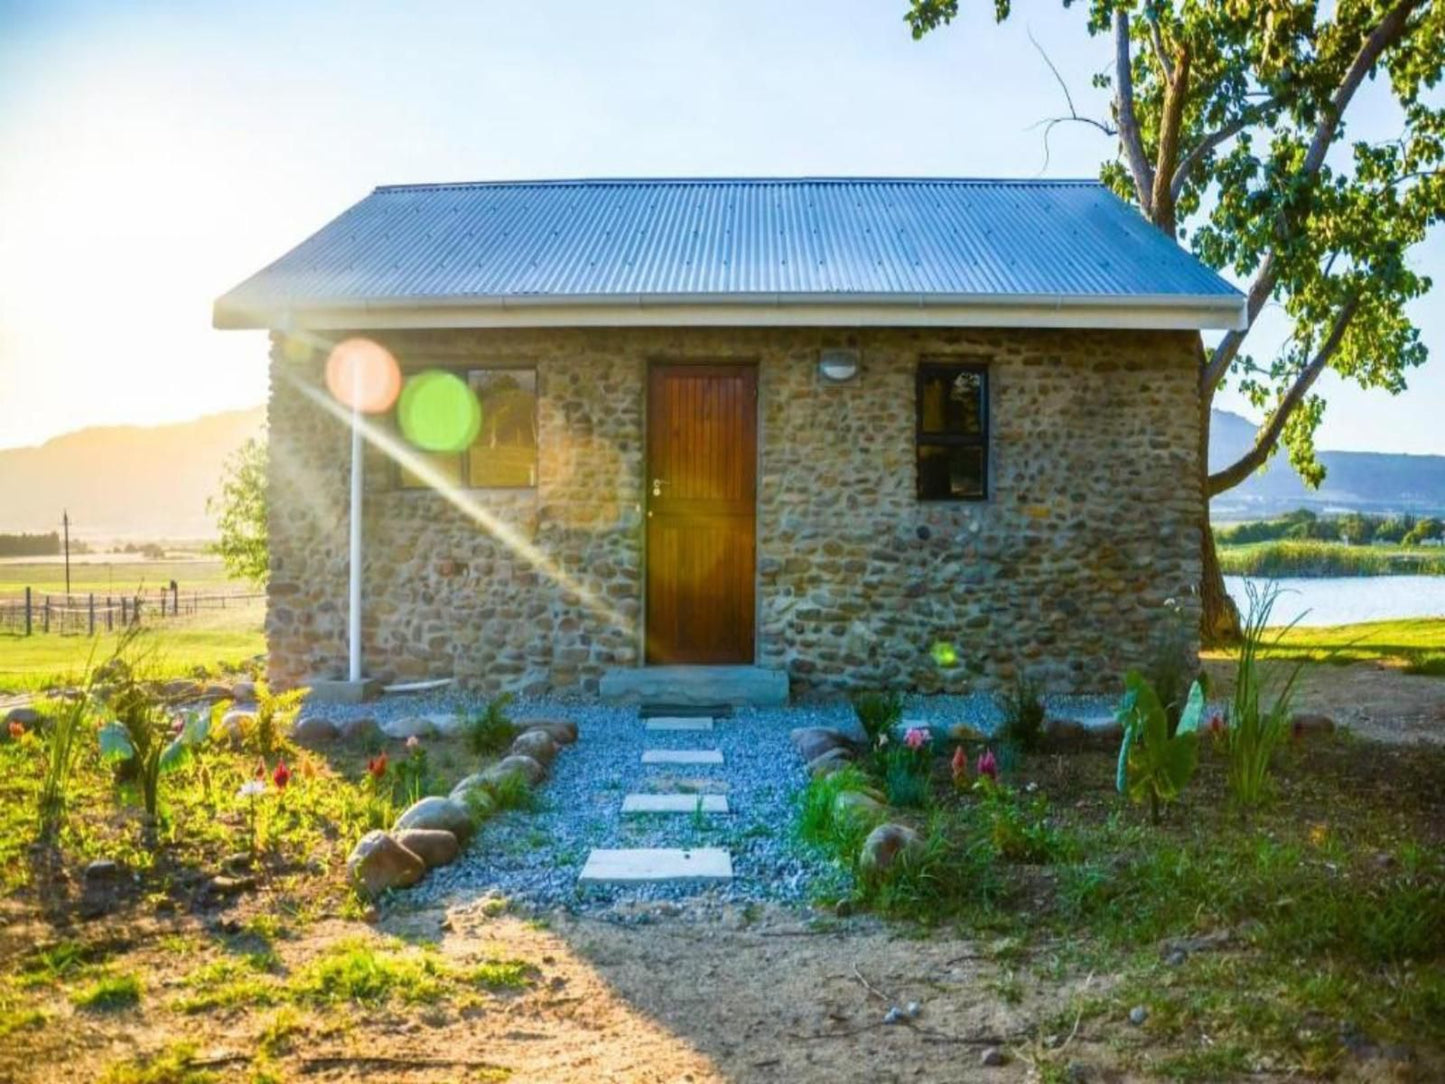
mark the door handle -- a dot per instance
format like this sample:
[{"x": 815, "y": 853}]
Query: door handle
[{"x": 657, "y": 484}]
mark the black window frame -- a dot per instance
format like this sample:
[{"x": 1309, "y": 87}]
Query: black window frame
[
  {"x": 465, "y": 371},
  {"x": 978, "y": 440}
]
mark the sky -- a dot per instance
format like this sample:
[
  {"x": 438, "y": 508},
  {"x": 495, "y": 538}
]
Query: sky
[{"x": 156, "y": 153}]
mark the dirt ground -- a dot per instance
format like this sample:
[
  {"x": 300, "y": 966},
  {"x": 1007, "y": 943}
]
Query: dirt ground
[{"x": 1374, "y": 699}]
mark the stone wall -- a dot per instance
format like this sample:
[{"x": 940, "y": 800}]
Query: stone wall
[{"x": 1092, "y": 522}]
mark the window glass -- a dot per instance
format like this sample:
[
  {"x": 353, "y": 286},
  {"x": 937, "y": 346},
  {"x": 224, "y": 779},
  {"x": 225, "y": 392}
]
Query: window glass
[
  {"x": 952, "y": 434},
  {"x": 504, "y": 455}
]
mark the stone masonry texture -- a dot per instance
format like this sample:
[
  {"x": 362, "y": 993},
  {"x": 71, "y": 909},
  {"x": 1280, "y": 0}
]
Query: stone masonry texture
[{"x": 1093, "y": 519}]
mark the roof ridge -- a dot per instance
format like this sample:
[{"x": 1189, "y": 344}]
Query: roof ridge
[{"x": 1031, "y": 182}]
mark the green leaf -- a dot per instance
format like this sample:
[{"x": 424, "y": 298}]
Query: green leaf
[
  {"x": 115, "y": 743},
  {"x": 1193, "y": 711},
  {"x": 1121, "y": 776},
  {"x": 1181, "y": 757},
  {"x": 174, "y": 755},
  {"x": 197, "y": 729}
]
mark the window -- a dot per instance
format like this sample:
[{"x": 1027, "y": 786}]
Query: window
[
  {"x": 952, "y": 437},
  {"x": 504, "y": 455}
]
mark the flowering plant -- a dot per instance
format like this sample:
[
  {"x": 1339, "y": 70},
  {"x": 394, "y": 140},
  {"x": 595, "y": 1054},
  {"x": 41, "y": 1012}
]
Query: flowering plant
[
  {"x": 958, "y": 768},
  {"x": 987, "y": 766}
]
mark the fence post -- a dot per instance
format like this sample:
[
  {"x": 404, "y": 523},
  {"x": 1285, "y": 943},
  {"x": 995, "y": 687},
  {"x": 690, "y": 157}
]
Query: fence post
[
  {"x": 47, "y": 613},
  {"x": 109, "y": 616},
  {"x": 27, "y": 611},
  {"x": 91, "y": 605}
]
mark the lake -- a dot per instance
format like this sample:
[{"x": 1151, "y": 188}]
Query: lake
[{"x": 1347, "y": 600}]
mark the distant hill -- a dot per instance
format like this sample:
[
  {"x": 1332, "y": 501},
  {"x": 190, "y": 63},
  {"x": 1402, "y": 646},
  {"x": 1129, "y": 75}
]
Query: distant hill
[
  {"x": 1354, "y": 481},
  {"x": 124, "y": 481},
  {"x": 151, "y": 482}
]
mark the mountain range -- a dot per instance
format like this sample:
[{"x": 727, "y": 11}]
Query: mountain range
[{"x": 152, "y": 482}]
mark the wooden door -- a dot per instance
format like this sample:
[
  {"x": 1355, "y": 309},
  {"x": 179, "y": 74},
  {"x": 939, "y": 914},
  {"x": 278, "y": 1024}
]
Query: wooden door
[{"x": 701, "y": 513}]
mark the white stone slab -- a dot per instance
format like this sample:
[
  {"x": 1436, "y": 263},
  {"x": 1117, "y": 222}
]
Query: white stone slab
[
  {"x": 649, "y": 864},
  {"x": 682, "y": 756},
  {"x": 677, "y": 722},
  {"x": 674, "y": 803}
]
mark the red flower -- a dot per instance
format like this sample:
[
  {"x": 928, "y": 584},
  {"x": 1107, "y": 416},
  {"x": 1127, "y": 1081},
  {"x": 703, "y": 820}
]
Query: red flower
[
  {"x": 988, "y": 765},
  {"x": 959, "y": 765},
  {"x": 376, "y": 766},
  {"x": 281, "y": 776},
  {"x": 17, "y": 729}
]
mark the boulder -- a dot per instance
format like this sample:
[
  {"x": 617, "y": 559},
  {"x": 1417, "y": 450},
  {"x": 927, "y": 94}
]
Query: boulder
[
  {"x": 537, "y": 744},
  {"x": 969, "y": 735},
  {"x": 561, "y": 731},
  {"x": 858, "y": 805},
  {"x": 215, "y": 692},
  {"x": 832, "y": 761},
  {"x": 236, "y": 722},
  {"x": 886, "y": 847},
  {"x": 179, "y": 689},
  {"x": 314, "y": 730},
  {"x": 361, "y": 731},
  {"x": 517, "y": 764},
  {"x": 379, "y": 862},
  {"x": 244, "y": 691},
  {"x": 477, "y": 798},
  {"x": 475, "y": 781},
  {"x": 1304, "y": 724},
  {"x": 27, "y": 717},
  {"x": 442, "y": 814},
  {"x": 434, "y": 847},
  {"x": 412, "y": 726},
  {"x": 446, "y": 725},
  {"x": 813, "y": 741}
]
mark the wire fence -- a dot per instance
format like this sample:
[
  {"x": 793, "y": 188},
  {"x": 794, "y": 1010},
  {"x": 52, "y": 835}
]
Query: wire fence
[{"x": 34, "y": 614}]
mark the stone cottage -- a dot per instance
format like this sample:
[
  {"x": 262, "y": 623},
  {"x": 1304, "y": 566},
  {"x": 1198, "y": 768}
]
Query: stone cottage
[{"x": 918, "y": 434}]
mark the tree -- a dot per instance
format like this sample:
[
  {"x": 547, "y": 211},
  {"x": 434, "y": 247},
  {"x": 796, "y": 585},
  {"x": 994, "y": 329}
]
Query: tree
[
  {"x": 241, "y": 514},
  {"x": 1231, "y": 128}
]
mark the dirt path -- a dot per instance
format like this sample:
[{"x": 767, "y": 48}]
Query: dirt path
[{"x": 1375, "y": 700}]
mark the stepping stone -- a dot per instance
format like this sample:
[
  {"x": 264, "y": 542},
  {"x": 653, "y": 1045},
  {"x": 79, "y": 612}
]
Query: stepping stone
[
  {"x": 682, "y": 756},
  {"x": 678, "y": 722},
  {"x": 631, "y": 866},
  {"x": 674, "y": 803}
]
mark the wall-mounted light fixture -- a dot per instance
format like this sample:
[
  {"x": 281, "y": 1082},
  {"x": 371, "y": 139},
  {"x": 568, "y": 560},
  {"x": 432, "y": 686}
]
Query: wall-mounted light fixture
[{"x": 838, "y": 366}]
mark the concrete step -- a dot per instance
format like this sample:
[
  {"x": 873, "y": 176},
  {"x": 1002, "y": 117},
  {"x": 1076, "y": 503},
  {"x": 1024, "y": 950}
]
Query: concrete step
[
  {"x": 682, "y": 756},
  {"x": 674, "y": 803},
  {"x": 677, "y": 722},
  {"x": 696, "y": 685},
  {"x": 650, "y": 865}
]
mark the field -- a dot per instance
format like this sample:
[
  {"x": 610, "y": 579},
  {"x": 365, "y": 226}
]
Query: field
[
  {"x": 217, "y": 639},
  {"x": 1313, "y": 558}
]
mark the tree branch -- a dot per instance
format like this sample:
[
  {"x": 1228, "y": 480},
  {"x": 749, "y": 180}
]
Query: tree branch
[
  {"x": 1216, "y": 139},
  {"x": 1156, "y": 36},
  {"x": 1389, "y": 31},
  {"x": 1050, "y": 122},
  {"x": 1129, "y": 135},
  {"x": 1171, "y": 124},
  {"x": 1268, "y": 438}
]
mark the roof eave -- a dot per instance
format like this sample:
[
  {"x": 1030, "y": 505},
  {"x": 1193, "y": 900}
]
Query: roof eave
[{"x": 1138, "y": 312}]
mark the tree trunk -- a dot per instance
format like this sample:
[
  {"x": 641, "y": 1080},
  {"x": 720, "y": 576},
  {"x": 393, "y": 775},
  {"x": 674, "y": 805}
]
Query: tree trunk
[{"x": 1219, "y": 616}]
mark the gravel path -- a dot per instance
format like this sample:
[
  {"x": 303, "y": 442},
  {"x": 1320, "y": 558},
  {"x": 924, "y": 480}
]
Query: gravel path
[{"x": 535, "y": 857}]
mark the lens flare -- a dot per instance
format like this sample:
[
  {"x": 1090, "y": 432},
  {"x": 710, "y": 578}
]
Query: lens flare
[
  {"x": 439, "y": 413},
  {"x": 945, "y": 654},
  {"x": 363, "y": 375}
]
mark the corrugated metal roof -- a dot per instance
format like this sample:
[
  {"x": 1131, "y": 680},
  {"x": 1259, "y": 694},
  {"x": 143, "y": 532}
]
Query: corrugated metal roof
[{"x": 806, "y": 240}]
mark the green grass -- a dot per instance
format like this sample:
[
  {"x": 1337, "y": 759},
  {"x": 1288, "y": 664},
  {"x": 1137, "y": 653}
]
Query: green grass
[
  {"x": 213, "y": 639},
  {"x": 94, "y": 573},
  {"x": 109, "y": 993},
  {"x": 1315, "y": 558},
  {"x": 173, "y": 1065},
  {"x": 1418, "y": 643}
]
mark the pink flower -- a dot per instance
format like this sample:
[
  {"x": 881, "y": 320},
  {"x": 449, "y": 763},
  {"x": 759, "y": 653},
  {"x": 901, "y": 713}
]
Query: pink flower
[
  {"x": 987, "y": 765},
  {"x": 413, "y": 742},
  {"x": 916, "y": 738}
]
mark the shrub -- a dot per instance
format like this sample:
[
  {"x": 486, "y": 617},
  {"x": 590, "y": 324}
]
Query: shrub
[
  {"x": 141, "y": 737},
  {"x": 1253, "y": 734},
  {"x": 275, "y": 715},
  {"x": 1153, "y": 763},
  {"x": 818, "y": 822},
  {"x": 1023, "y": 716},
  {"x": 878, "y": 713},
  {"x": 491, "y": 731},
  {"x": 953, "y": 868},
  {"x": 907, "y": 766},
  {"x": 1018, "y": 829},
  {"x": 513, "y": 791}
]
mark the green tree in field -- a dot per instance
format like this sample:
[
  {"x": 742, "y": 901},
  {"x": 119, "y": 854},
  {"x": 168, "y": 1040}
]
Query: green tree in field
[
  {"x": 241, "y": 513},
  {"x": 1232, "y": 131}
]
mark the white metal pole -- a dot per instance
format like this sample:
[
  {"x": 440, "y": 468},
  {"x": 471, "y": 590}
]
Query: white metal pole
[{"x": 354, "y": 598}]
